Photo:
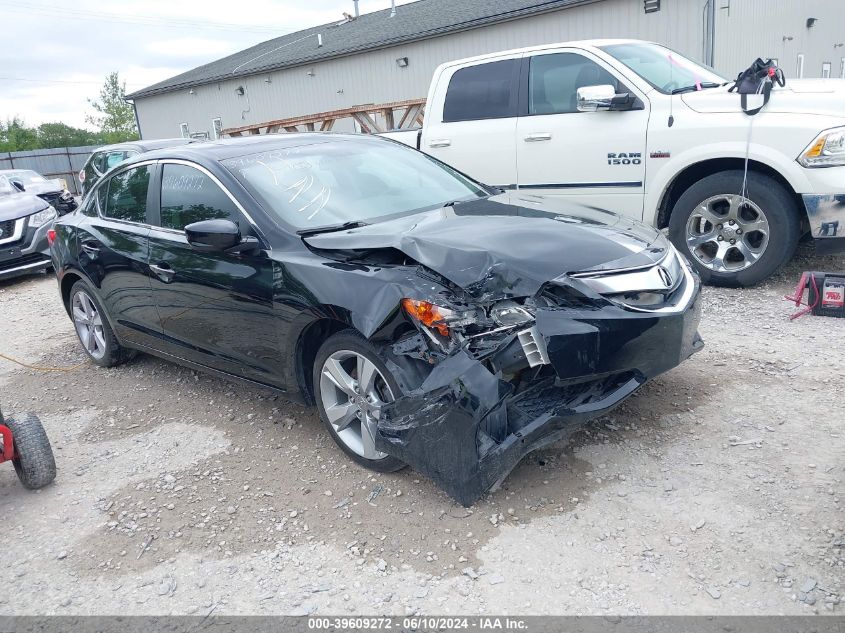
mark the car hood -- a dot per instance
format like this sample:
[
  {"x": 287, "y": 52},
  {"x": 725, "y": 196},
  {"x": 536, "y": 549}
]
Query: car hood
[
  {"x": 48, "y": 186},
  {"x": 507, "y": 245},
  {"x": 17, "y": 205},
  {"x": 799, "y": 96}
]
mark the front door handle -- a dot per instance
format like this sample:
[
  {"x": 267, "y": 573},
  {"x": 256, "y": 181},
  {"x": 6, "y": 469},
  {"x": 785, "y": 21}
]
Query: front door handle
[
  {"x": 543, "y": 136},
  {"x": 440, "y": 142},
  {"x": 163, "y": 272}
]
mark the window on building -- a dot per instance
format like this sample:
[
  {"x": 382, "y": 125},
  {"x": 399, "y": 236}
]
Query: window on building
[
  {"x": 188, "y": 196},
  {"x": 553, "y": 81},
  {"x": 183, "y": 130},
  {"x": 127, "y": 195},
  {"x": 799, "y": 70},
  {"x": 826, "y": 70},
  {"x": 216, "y": 128},
  {"x": 485, "y": 91}
]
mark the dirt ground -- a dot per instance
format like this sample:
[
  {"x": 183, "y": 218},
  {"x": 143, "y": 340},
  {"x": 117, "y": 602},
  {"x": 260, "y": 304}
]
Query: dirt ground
[{"x": 717, "y": 489}]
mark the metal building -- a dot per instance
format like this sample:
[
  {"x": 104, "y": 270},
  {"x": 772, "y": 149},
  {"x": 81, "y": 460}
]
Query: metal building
[{"x": 389, "y": 56}]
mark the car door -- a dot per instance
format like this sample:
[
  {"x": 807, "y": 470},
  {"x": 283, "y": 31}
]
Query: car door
[
  {"x": 472, "y": 125},
  {"x": 216, "y": 308},
  {"x": 592, "y": 158},
  {"x": 113, "y": 248}
]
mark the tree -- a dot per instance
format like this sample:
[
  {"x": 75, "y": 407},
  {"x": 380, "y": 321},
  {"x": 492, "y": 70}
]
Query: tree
[
  {"x": 16, "y": 136},
  {"x": 63, "y": 135},
  {"x": 112, "y": 115}
]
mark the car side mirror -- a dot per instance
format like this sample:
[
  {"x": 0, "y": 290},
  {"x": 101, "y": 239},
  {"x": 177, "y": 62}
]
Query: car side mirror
[
  {"x": 218, "y": 236},
  {"x": 18, "y": 185},
  {"x": 602, "y": 98}
]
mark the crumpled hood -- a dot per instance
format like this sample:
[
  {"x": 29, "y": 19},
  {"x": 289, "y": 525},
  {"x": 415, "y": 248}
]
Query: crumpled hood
[
  {"x": 48, "y": 186},
  {"x": 508, "y": 245},
  {"x": 17, "y": 205},
  {"x": 799, "y": 96}
]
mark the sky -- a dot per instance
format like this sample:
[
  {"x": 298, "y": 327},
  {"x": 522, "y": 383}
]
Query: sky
[{"x": 55, "y": 54}]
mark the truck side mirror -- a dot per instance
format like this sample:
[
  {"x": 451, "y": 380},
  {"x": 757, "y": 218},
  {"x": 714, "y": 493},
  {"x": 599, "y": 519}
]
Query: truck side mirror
[{"x": 602, "y": 98}]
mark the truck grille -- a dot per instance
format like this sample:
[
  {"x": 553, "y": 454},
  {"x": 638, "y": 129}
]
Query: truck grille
[{"x": 7, "y": 229}]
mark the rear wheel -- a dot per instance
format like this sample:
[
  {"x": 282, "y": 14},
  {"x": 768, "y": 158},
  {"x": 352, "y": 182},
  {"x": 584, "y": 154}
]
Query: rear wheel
[
  {"x": 93, "y": 329},
  {"x": 34, "y": 464},
  {"x": 734, "y": 240},
  {"x": 351, "y": 385}
]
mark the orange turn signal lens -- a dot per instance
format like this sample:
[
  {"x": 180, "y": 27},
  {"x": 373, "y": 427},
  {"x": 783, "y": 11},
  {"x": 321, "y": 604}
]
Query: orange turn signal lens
[
  {"x": 428, "y": 314},
  {"x": 816, "y": 150}
]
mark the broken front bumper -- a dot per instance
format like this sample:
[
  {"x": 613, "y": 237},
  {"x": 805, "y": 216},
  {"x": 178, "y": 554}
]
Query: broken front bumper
[{"x": 466, "y": 427}]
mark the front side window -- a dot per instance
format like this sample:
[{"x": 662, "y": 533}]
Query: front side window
[
  {"x": 485, "y": 91},
  {"x": 188, "y": 196},
  {"x": 663, "y": 68},
  {"x": 126, "y": 198},
  {"x": 554, "y": 80},
  {"x": 338, "y": 181}
]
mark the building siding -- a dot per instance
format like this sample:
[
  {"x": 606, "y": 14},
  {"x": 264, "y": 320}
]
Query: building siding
[{"x": 374, "y": 77}]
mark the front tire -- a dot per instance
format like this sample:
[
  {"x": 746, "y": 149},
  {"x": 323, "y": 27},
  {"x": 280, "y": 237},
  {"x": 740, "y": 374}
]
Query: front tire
[
  {"x": 351, "y": 384},
  {"x": 733, "y": 241},
  {"x": 93, "y": 329}
]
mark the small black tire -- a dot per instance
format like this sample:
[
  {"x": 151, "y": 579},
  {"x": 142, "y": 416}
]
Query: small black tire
[
  {"x": 34, "y": 463},
  {"x": 776, "y": 202},
  {"x": 114, "y": 354},
  {"x": 353, "y": 341}
]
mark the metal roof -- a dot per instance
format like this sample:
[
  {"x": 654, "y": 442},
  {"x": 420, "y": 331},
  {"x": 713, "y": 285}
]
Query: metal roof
[{"x": 415, "y": 21}]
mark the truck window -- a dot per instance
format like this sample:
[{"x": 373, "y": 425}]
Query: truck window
[
  {"x": 485, "y": 91},
  {"x": 553, "y": 81}
]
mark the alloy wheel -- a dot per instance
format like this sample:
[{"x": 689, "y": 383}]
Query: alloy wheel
[
  {"x": 727, "y": 233},
  {"x": 89, "y": 324},
  {"x": 353, "y": 391}
]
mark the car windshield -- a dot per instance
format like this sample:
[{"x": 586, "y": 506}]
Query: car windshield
[
  {"x": 336, "y": 182},
  {"x": 26, "y": 176},
  {"x": 667, "y": 71},
  {"x": 6, "y": 186}
]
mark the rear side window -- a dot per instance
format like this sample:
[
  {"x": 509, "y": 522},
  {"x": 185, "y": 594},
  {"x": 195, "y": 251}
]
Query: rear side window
[
  {"x": 127, "y": 195},
  {"x": 188, "y": 195},
  {"x": 114, "y": 158},
  {"x": 485, "y": 91},
  {"x": 553, "y": 81}
]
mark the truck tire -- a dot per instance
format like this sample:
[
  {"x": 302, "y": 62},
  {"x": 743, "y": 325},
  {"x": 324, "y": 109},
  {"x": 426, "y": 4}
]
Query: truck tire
[
  {"x": 735, "y": 242},
  {"x": 34, "y": 464}
]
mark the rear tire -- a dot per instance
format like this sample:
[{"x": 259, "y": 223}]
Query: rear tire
[
  {"x": 768, "y": 226},
  {"x": 34, "y": 464},
  {"x": 93, "y": 329},
  {"x": 345, "y": 351}
]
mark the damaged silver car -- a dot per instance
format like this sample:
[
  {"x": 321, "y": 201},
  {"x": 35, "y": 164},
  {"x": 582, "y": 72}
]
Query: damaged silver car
[{"x": 434, "y": 322}]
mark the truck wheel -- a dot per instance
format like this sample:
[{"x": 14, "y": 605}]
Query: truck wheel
[
  {"x": 34, "y": 464},
  {"x": 733, "y": 241}
]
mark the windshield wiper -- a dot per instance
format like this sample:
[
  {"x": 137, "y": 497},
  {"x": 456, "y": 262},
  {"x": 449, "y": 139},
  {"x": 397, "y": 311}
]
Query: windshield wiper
[
  {"x": 331, "y": 228},
  {"x": 694, "y": 88}
]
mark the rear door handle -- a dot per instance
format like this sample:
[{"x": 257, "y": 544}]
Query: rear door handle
[
  {"x": 163, "y": 272},
  {"x": 543, "y": 136},
  {"x": 440, "y": 142}
]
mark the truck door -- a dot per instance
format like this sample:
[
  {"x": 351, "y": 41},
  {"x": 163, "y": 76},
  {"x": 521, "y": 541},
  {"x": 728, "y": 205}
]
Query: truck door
[
  {"x": 471, "y": 122},
  {"x": 591, "y": 158}
]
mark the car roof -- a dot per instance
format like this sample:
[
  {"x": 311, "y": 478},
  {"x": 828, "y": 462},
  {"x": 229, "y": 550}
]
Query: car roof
[
  {"x": 224, "y": 149},
  {"x": 147, "y": 145}
]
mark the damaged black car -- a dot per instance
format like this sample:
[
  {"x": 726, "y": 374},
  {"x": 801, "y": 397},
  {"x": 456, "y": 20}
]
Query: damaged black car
[{"x": 433, "y": 321}]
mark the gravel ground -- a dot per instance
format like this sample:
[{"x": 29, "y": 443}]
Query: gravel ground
[{"x": 717, "y": 489}]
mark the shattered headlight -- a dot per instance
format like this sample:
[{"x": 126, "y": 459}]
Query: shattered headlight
[
  {"x": 508, "y": 313},
  {"x": 42, "y": 217},
  {"x": 826, "y": 150},
  {"x": 437, "y": 318}
]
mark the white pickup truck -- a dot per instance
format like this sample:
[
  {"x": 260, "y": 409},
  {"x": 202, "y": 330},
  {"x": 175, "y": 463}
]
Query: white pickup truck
[{"x": 636, "y": 128}]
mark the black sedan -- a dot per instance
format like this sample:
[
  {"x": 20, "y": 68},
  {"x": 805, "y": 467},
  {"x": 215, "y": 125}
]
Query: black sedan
[
  {"x": 433, "y": 321},
  {"x": 25, "y": 220}
]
